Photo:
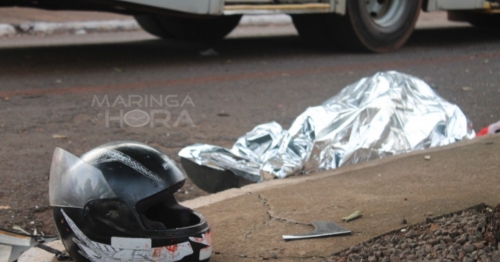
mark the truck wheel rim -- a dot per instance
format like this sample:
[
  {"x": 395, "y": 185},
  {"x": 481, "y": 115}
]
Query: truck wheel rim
[{"x": 386, "y": 13}]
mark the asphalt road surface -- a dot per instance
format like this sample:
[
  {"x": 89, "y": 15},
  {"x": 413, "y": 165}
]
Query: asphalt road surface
[{"x": 53, "y": 93}]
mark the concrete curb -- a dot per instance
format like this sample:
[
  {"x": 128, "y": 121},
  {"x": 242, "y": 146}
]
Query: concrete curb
[
  {"x": 278, "y": 183},
  {"x": 83, "y": 27},
  {"x": 7, "y": 30},
  {"x": 51, "y": 28}
]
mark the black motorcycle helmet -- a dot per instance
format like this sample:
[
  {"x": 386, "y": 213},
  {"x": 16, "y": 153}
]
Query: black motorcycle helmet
[{"x": 116, "y": 203}]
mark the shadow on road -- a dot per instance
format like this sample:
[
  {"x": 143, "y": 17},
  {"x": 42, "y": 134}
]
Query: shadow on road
[
  {"x": 452, "y": 37},
  {"x": 166, "y": 53}
]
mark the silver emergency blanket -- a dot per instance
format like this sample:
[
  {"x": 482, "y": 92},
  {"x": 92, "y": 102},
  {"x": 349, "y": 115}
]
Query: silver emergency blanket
[{"x": 386, "y": 114}]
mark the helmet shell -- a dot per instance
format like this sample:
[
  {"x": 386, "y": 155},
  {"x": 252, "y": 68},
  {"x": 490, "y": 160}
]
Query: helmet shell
[{"x": 143, "y": 222}]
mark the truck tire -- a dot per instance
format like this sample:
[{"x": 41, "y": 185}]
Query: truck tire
[
  {"x": 153, "y": 26},
  {"x": 187, "y": 28},
  {"x": 375, "y": 25}
]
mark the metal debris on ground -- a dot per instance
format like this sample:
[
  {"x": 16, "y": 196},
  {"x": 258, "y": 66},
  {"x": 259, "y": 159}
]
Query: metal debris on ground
[
  {"x": 387, "y": 114},
  {"x": 56, "y": 136},
  {"x": 352, "y": 216},
  {"x": 427, "y": 157},
  {"x": 14, "y": 244},
  {"x": 18, "y": 228},
  {"x": 321, "y": 229}
]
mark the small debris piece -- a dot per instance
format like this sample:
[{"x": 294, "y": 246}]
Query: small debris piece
[
  {"x": 427, "y": 157},
  {"x": 223, "y": 114},
  {"x": 410, "y": 234},
  {"x": 434, "y": 227},
  {"x": 404, "y": 221},
  {"x": 467, "y": 88},
  {"x": 4, "y": 207},
  {"x": 209, "y": 52},
  {"x": 81, "y": 32},
  {"x": 6, "y": 98},
  {"x": 56, "y": 136},
  {"x": 352, "y": 216},
  {"x": 321, "y": 229},
  {"x": 18, "y": 228}
]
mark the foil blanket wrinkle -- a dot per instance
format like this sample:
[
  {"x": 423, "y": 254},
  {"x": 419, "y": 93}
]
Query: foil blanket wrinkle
[{"x": 386, "y": 114}]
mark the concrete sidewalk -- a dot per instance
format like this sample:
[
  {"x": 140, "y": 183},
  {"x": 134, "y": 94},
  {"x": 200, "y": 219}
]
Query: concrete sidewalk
[
  {"x": 18, "y": 21},
  {"x": 18, "y": 15},
  {"x": 248, "y": 223}
]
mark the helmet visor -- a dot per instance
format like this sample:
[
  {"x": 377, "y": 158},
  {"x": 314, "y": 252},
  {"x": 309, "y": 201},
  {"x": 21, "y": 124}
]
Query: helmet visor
[{"x": 74, "y": 182}]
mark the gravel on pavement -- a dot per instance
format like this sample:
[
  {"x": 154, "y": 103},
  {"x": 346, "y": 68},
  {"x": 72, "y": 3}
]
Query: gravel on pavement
[{"x": 471, "y": 235}]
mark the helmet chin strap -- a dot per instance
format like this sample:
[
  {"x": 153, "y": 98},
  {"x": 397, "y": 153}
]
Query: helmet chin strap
[{"x": 58, "y": 254}]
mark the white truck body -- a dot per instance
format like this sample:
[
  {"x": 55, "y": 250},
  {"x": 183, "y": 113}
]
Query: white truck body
[{"x": 220, "y": 7}]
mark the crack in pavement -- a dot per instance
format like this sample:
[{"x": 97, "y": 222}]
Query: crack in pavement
[{"x": 272, "y": 216}]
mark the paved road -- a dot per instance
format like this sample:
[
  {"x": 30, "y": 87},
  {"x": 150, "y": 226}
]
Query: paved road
[{"x": 52, "y": 92}]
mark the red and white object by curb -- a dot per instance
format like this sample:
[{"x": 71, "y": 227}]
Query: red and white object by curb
[{"x": 491, "y": 129}]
